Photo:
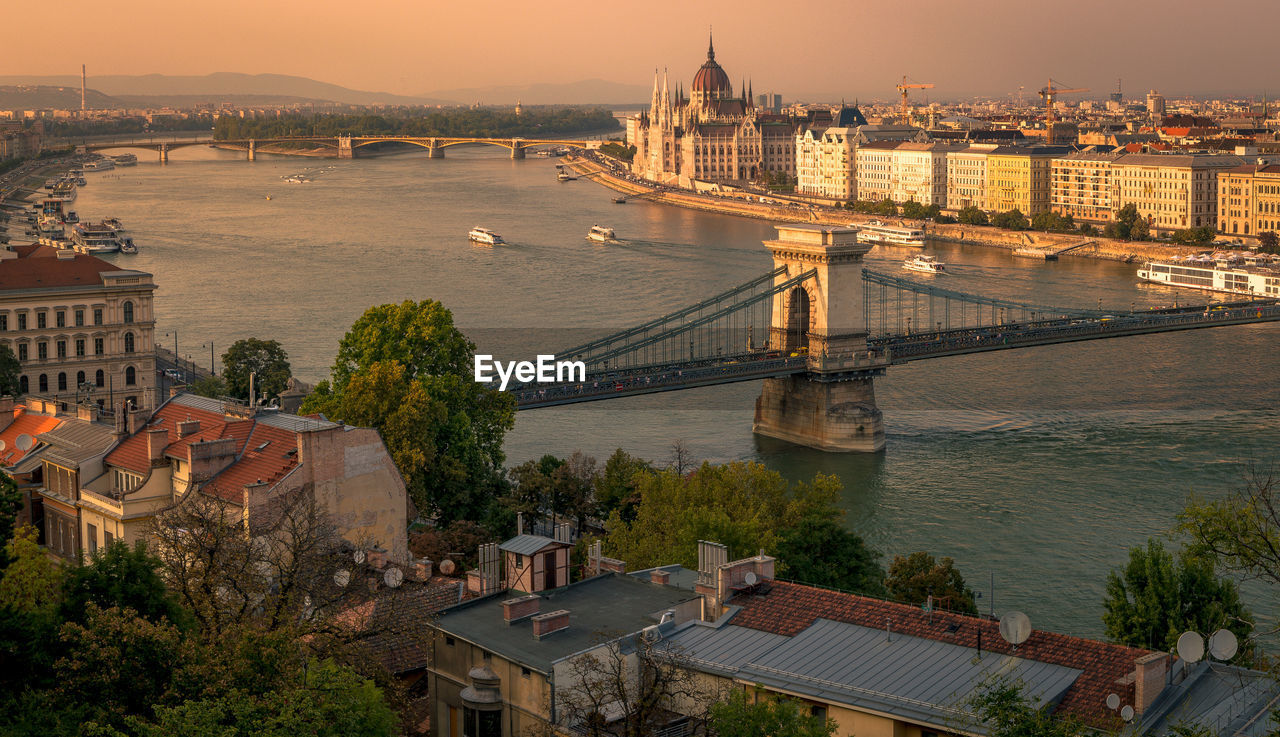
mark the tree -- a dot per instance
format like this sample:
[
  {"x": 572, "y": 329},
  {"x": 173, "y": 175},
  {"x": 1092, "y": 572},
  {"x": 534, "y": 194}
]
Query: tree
[
  {"x": 741, "y": 505},
  {"x": 1122, "y": 228},
  {"x": 1268, "y": 242},
  {"x": 917, "y": 577},
  {"x": 459, "y": 537},
  {"x": 10, "y": 505},
  {"x": 616, "y": 490},
  {"x": 120, "y": 576},
  {"x": 1195, "y": 236},
  {"x": 10, "y": 372},
  {"x": 405, "y": 370},
  {"x": 913, "y": 210},
  {"x": 1238, "y": 532},
  {"x": 1011, "y": 220},
  {"x": 885, "y": 207},
  {"x": 1140, "y": 230},
  {"x": 265, "y": 359},
  {"x": 766, "y": 717},
  {"x": 209, "y": 386},
  {"x": 1155, "y": 598},
  {"x": 972, "y": 216},
  {"x": 1002, "y": 711},
  {"x": 820, "y": 551},
  {"x": 32, "y": 582},
  {"x": 1052, "y": 221}
]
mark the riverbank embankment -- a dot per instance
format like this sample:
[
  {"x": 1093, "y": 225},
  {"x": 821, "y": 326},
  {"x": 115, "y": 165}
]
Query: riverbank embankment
[{"x": 745, "y": 205}]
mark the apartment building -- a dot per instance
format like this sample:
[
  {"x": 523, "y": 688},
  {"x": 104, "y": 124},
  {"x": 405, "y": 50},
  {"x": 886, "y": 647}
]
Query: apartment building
[
  {"x": 81, "y": 327},
  {"x": 1172, "y": 191},
  {"x": 920, "y": 172},
  {"x": 1249, "y": 199},
  {"x": 1082, "y": 185},
  {"x": 874, "y": 170},
  {"x": 967, "y": 176},
  {"x": 1018, "y": 178}
]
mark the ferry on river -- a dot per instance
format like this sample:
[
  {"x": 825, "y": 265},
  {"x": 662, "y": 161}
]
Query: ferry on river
[
  {"x": 94, "y": 238},
  {"x": 1252, "y": 275},
  {"x": 925, "y": 264},
  {"x": 877, "y": 232},
  {"x": 485, "y": 236},
  {"x": 99, "y": 165},
  {"x": 125, "y": 160},
  {"x": 600, "y": 234}
]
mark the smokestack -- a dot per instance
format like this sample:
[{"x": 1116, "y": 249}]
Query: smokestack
[{"x": 82, "y": 88}]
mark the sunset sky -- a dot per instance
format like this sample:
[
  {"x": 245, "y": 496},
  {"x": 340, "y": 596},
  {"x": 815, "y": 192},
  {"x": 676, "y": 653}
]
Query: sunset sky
[{"x": 799, "y": 48}]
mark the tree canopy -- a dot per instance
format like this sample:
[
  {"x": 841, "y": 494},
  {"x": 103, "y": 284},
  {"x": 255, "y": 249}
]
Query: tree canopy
[
  {"x": 915, "y": 578},
  {"x": 10, "y": 372},
  {"x": 1156, "y": 597},
  {"x": 972, "y": 216},
  {"x": 766, "y": 717},
  {"x": 265, "y": 359},
  {"x": 819, "y": 550}
]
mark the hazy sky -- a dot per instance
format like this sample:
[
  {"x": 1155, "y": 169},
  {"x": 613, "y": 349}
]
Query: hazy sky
[{"x": 799, "y": 48}]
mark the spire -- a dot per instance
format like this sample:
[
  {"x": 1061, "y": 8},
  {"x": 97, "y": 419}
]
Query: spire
[
  {"x": 653, "y": 105},
  {"x": 711, "y": 46}
]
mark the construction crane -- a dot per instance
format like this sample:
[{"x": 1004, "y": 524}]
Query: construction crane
[
  {"x": 1049, "y": 92},
  {"x": 903, "y": 86}
]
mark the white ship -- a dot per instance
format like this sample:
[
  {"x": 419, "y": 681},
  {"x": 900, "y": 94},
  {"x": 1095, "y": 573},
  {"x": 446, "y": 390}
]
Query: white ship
[
  {"x": 1252, "y": 276},
  {"x": 485, "y": 236},
  {"x": 889, "y": 235},
  {"x": 126, "y": 160},
  {"x": 600, "y": 234},
  {"x": 925, "y": 264},
  {"x": 94, "y": 238},
  {"x": 100, "y": 165}
]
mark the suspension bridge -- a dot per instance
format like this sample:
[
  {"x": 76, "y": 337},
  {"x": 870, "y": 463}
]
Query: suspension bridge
[{"x": 819, "y": 327}]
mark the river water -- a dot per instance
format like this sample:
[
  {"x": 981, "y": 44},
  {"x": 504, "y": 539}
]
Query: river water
[{"x": 1036, "y": 469}]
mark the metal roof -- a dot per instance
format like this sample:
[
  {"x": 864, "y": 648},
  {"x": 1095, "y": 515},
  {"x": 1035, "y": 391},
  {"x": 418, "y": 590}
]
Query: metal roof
[
  {"x": 527, "y": 544},
  {"x": 76, "y": 441},
  {"x": 1223, "y": 699}
]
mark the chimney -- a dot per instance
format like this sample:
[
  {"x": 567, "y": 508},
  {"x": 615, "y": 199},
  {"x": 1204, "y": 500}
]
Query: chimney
[
  {"x": 516, "y": 609},
  {"x": 122, "y": 420},
  {"x": 662, "y": 577},
  {"x": 420, "y": 570},
  {"x": 87, "y": 412},
  {"x": 157, "y": 441},
  {"x": 1150, "y": 673},
  {"x": 550, "y": 623},
  {"x": 190, "y": 427},
  {"x": 7, "y": 405},
  {"x": 82, "y": 86}
]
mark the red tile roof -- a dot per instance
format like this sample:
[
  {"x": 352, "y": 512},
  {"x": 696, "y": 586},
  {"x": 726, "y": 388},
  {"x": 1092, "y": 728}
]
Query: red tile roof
[
  {"x": 39, "y": 266},
  {"x": 787, "y": 609},
  {"x": 268, "y": 454},
  {"x": 23, "y": 424}
]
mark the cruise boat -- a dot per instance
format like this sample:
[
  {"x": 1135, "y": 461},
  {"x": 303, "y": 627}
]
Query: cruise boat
[
  {"x": 485, "y": 236},
  {"x": 49, "y": 223},
  {"x": 64, "y": 191},
  {"x": 925, "y": 264},
  {"x": 564, "y": 176},
  {"x": 600, "y": 234},
  {"x": 128, "y": 246},
  {"x": 125, "y": 160},
  {"x": 890, "y": 235},
  {"x": 1252, "y": 276},
  {"x": 99, "y": 165},
  {"x": 95, "y": 238},
  {"x": 114, "y": 224}
]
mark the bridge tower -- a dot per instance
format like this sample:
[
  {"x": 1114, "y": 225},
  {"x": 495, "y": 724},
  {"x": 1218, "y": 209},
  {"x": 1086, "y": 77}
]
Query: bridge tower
[
  {"x": 832, "y": 406},
  {"x": 344, "y": 147},
  {"x": 516, "y": 151}
]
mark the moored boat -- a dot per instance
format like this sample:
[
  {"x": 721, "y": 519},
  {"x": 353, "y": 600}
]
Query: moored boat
[
  {"x": 890, "y": 235},
  {"x": 1253, "y": 275}
]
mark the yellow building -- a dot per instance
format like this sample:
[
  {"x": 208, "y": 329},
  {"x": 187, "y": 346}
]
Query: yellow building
[
  {"x": 1172, "y": 191},
  {"x": 1018, "y": 178},
  {"x": 1249, "y": 199}
]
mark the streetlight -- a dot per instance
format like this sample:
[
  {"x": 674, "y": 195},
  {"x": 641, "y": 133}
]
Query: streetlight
[
  {"x": 212, "y": 372},
  {"x": 175, "y": 344}
]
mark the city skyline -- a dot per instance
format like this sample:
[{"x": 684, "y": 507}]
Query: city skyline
[{"x": 814, "y": 51}]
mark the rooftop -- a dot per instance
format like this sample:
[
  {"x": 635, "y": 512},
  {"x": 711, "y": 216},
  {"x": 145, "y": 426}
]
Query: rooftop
[
  {"x": 600, "y": 609},
  {"x": 25, "y": 424},
  {"x": 40, "y": 267}
]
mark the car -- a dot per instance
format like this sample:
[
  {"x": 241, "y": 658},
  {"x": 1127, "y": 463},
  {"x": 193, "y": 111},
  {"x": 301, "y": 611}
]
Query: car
[{"x": 173, "y": 374}]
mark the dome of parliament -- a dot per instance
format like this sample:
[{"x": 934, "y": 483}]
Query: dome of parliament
[{"x": 711, "y": 78}]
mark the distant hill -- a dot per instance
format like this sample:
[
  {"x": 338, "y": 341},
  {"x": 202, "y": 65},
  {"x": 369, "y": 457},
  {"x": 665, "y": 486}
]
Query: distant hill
[
  {"x": 585, "y": 92},
  {"x": 215, "y": 87},
  {"x": 34, "y": 97}
]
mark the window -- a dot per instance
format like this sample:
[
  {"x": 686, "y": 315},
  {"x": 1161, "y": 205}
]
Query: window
[
  {"x": 130, "y": 376},
  {"x": 100, "y": 378},
  {"x": 91, "y": 531},
  {"x": 97, "y": 315},
  {"x": 79, "y": 318},
  {"x": 42, "y": 320},
  {"x": 42, "y": 350},
  {"x": 23, "y": 385},
  {"x": 44, "y": 383},
  {"x": 107, "y": 538},
  {"x": 448, "y": 641},
  {"x": 60, "y": 318},
  {"x": 22, "y": 351},
  {"x": 62, "y": 348},
  {"x": 62, "y": 381},
  {"x": 22, "y": 321},
  {"x": 4, "y": 321},
  {"x": 524, "y": 672},
  {"x": 128, "y": 312},
  {"x": 79, "y": 378},
  {"x": 80, "y": 347},
  {"x": 98, "y": 347},
  {"x": 519, "y": 562},
  {"x": 128, "y": 342}
]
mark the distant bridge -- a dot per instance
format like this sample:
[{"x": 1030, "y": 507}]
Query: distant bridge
[{"x": 344, "y": 147}]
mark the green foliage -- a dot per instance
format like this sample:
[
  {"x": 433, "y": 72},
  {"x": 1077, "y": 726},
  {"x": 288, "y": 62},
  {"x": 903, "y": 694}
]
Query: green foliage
[
  {"x": 120, "y": 576},
  {"x": 1195, "y": 236},
  {"x": 1052, "y": 221},
  {"x": 1087, "y": 229},
  {"x": 480, "y": 123},
  {"x": 1140, "y": 230},
  {"x": 916, "y": 211},
  {"x": 405, "y": 370},
  {"x": 766, "y": 717},
  {"x": 32, "y": 582},
  {"x": 460, "y": 536},
  {"x": 81, "y": 128},
  {"x": 1269, "y": 242},
  {"x": 944, "y": 220},
  {"x": 1128, "y": 225},
  {"x": 555, "y": 487},
  {"x": 741, "y": 505},
  {"x": 10, "y": 371},
  {"x": 914, "y": 578},
  {"x": 1155, "y": 598},
  {"x": 266, "y": 359},
  {"x": 820, "y": 551},
  {"x": 10, "y": 505},
  {"x": 618, "y": 150},
  {"x": 886, "y": 207},
  {"x": 209, "y": 386},
  {"x": 1003, "y": 712},
  {"x": 972, "y": 216},
  {"x": 1011, "y": 220},
  {"x": 618, "y": 486}
]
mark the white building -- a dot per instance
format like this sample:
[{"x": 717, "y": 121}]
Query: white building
[
  {"x": 874, "y": 170},
  {"x": 919, "y": 172},
  {"x": 1172, "y": 191},
  {"x": 967, "y": 176},
  {"x": 825, "y": 159}
]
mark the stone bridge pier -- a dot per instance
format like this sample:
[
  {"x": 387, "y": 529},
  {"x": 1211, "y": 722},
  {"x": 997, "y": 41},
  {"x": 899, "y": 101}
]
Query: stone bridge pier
[
  {"x": 253, "y": 150},
  {"x": 832, "y": 406},
  {"x": 345, "y": 151},
  {"x": 516, "y": 151},
  {"x": 435, "y": 150},
  {"x": 164, "y": 153}
]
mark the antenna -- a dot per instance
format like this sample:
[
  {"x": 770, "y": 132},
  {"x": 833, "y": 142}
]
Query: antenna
[
  {"x": 25, "y": 442},
  {"x": 1015, "y": 628},
  {"x": 393, "y": 577},
  {"x": 1223, "y": 645},
  {"x": 752, "y": 579},
  {"x": 1190, "y": 647}
]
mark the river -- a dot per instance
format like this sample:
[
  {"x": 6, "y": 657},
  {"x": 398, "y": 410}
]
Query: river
[{"x": 1035, "y": 468}]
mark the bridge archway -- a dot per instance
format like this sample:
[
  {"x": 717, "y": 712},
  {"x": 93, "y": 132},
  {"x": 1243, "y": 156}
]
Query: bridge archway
[{"x": 799, "y": 320}]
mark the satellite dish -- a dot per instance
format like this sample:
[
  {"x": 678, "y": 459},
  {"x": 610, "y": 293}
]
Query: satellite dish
[
  {"x": 342, "y": 578},
  {"x": 1223, "y": 645},
  {"x": 1015, "y": 628},
  {"x": 25, "y": 442},
  {"x": 3, "y": 445},
  {"x": 393, "y": 577},
  {"x": 447, "y": 567},
  {"x": 1127, "y": 713},
  {"x": 1190, "y": 647},
  {"x": 1113, "y": 701},
  {"x": 359, "y": 557},
  {"x": 751, "y": 578}
]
